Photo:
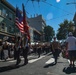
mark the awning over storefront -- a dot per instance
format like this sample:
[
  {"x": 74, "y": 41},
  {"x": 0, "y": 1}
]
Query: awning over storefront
[
  {"x": 0, "y": 39},
  {"x": 6, "y": 36}
]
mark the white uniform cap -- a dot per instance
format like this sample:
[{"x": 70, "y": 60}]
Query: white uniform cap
[{"x": 70, "y": 33}]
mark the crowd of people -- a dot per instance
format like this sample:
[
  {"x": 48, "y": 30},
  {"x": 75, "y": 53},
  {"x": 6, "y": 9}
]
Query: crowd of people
[{"x": 19, "y": 49}]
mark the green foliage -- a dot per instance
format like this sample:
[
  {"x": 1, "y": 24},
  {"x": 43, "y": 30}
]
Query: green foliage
[
  {"x": 49, "y": 33},
  {"x": 63, "y": 30}
]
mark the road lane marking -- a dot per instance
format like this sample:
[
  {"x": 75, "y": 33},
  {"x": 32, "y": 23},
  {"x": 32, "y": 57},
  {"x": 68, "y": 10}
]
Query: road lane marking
[
  {"x": 12, "y": 61},
  {"x": 29, "y": 61},
  {"x": 69, "y": 62},
  {"x": 34, "y": 60},
  {"x": 51, "y": 60}
]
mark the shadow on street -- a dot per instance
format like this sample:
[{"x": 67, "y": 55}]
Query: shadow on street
[
  {"x": 49, "y": 54},
  {"x": 69, "y": 70},
  {"x": 9, "y": 67}
]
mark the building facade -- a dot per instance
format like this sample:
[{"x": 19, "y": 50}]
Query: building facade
[
  {"x": 8, "y": 29},
  {"x": 7, "y": 20},
  {"x": 35, "y": 35},
  {"x": 37, "y": 22}
]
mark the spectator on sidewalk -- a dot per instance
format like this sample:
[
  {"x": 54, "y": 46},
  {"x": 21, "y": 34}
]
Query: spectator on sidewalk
[
  {"x": 71, "y": 48},
  {"x": 1, "y": 51},
  {"x": 5, "y": 50}
]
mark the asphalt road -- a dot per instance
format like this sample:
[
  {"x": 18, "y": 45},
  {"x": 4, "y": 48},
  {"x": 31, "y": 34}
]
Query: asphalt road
[{"x": 37, "y": 66}]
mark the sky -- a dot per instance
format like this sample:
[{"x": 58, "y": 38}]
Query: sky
[{"x": 54, "y": 12}]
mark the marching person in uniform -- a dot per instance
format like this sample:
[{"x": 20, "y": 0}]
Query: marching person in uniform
[
  {"x": 55, "y": 49},
  {"x": 39, "y": 49},
  {"x": 25, "y": 50},
  {"x": 22, "y": 45},
  {"x": 18, "y": 48}
]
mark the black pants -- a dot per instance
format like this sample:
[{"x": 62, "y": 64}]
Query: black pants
[
  {"x": 25, "y": 54},
  {"x": 39, "y": 51},
  {"x": 18, "y": 56},
  {"x": 56, "y": 54},
  {"x": 2, "y": 54},
  {"x": 15, "y": 54}
]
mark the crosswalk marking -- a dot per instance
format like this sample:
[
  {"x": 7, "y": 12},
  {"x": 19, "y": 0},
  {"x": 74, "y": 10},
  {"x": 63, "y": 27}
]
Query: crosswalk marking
[
  {"x": 12, "y": 61},
  {"x": 51, "y": 60},
  {"x": 69, "y": 62},
  {"x": 33, "y": 60},
  {"x": 30, "y": 61}
]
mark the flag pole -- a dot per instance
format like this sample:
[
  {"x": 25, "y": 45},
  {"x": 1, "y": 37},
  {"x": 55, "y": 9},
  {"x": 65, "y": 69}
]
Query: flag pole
[
  {"x": 26, "y": 27},
  {"x": 24, "y": 22}
]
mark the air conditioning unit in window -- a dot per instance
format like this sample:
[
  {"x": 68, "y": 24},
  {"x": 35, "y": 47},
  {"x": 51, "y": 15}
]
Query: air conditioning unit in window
[
  {"x": 0, "y": 28},
  {"x": 4, "y": 15},
  {"x": 5, "y": 29},
  {"x": 0, "y": 12}
]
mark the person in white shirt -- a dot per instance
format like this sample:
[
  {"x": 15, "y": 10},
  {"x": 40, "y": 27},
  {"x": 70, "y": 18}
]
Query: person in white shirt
[{"x": 71, "y": 48}]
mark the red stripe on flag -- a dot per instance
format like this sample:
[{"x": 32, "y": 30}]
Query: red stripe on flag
[
  {"x": 26, "y": 27},
  {"x": 19, "y": 20}
]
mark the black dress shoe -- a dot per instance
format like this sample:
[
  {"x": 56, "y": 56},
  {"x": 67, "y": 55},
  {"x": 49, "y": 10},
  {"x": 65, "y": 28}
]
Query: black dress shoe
[
  {"x": 70, "y": 65},
  {"x": 18, "y": 61},
  {"x": 73, "y": 65},
  {"x": 25, "y": 63}
]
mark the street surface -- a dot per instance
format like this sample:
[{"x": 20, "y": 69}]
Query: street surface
[{"x": 37, "y": 66}]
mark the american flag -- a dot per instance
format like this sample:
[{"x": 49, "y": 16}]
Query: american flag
[
  {"x": 26, "y": 27},
  {"x": 19, "y": 20}
]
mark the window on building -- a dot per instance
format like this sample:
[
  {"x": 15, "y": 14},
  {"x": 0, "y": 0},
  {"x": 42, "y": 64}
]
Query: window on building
[
  {"x": 0, "y": 12},
  {"x": 3, "y": 26},
  {"x": 10, "y": 16},
  {"x": 3, "y": 13},
  {"x": 10, "y": 29},
  {"x": 42, "y": 27},
  {"x": 43, "y": 23}
]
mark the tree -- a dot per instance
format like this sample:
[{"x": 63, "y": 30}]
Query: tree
[
  {"x": 74, "y": 33},
  {"x": 49, "y": 33},
  {"x": 64, "y": 28}
]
